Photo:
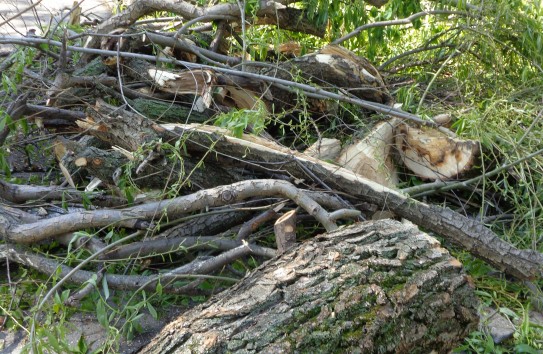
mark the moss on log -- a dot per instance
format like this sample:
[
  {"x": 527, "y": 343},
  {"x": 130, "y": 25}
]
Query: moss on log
[
  {"x": 168, "y": 112},
  {"x": 373, "y": 287}
]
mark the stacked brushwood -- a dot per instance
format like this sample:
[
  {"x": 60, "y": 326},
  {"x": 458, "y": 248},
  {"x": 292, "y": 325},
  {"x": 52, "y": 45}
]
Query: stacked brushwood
[{"x": 125, "y": 127}]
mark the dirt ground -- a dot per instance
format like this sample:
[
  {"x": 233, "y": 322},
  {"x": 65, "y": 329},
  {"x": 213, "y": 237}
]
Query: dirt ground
[{"x": 46, "y": 13}]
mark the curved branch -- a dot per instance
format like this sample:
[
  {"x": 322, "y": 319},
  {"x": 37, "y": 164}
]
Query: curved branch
[
  {"x": 286, "y": 18},
  {"x": 130, "y": 217},
  {"x": 115, "y": 281},
  {"x": 402, "y": 21}
]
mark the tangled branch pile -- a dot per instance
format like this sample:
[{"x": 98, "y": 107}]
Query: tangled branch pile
[{"x": 123, "y": 135}]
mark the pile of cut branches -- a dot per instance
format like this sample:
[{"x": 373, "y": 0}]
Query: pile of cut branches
[{"x": 122, "y": 132}]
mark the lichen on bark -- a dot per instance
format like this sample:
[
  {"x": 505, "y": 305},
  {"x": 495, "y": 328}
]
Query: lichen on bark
[{"x": 379, "y": 286}]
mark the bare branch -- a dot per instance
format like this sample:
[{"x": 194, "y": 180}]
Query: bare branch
[
  {"x": 115, "y": 281},
  {"x": 287, "y": 85},
  {"x": 180, "y": 244},
  {"x": 131, "y": 217},
  {"x": 403, "y": 21}
]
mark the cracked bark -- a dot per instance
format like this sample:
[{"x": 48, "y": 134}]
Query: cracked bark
[{"x": 373, "y": 287}]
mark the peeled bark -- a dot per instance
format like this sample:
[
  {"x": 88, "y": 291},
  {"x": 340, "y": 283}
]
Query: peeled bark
[{"x": 372, "y": 287}]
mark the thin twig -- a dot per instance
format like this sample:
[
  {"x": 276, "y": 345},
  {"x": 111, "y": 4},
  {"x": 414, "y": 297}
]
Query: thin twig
[
  {"x": 414, "y": 51},
  {"x": 535, "y": 121},
  {"x": 185, "y": 27},
  {"x": 434, "y": 77},
  {"x": 179, "y": 244},
  {"x": 241, "y": 5}
]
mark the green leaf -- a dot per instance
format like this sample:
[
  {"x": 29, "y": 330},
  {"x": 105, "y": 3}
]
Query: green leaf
[
  {"x": 8, "y": 84},
  {"x": 65, "y": 295},
  {"x": 508, "y": 312},
  {"x": 85, "y": 199},
  {"x": 525, "y": 348},
  {"x": 53, "y": 341},
  {"x": 101, "y": 314},
  {"x": 92, "y": 279},
  {"x": 105, "y": 288},
  {"x": 3, "y": 119},
  {"x": 82, "y": 345},
  {"x": 159, "y": 288},
  {"x": 152, "y": 310},
  {"x": 108, "y": 236}
]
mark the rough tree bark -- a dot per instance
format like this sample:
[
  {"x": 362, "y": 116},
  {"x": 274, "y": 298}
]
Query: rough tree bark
[{"x": 373, "y": 287}]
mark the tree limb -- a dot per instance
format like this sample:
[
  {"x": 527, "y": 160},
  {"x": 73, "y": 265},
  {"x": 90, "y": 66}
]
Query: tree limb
[
  {"x": 470, "y": 234},
  {"x": 172, "y": 208}
]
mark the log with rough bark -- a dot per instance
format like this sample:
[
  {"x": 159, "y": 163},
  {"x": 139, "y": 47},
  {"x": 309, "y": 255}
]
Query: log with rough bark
[{"x": 372, "y": 287}]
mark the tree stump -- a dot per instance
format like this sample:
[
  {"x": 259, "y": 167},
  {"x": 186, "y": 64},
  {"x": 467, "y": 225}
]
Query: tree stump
[{"x": 379, "y": 286}]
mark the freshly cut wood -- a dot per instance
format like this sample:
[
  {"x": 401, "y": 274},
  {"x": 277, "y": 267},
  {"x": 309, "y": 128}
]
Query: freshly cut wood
[
  {"x": 197, "y": 82},
  {"x": 373, "y": 287},
  {"x": 285, "y": 231},
  {"x": 361, "y": 67},
  {"x": 370, "y": 157},
  {"x": 324, "y": 149},
  {"x": 242, "y": 98},
  {"x": 432, "y": 155}
]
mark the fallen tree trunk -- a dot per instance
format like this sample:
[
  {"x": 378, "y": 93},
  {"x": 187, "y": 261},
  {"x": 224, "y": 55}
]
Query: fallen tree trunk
[{"x": 373, "y": 287}]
